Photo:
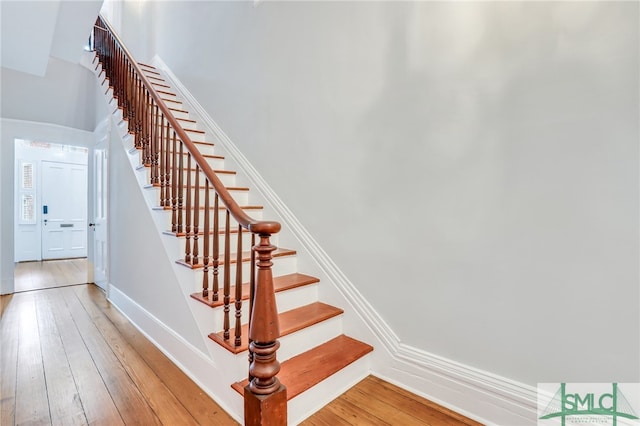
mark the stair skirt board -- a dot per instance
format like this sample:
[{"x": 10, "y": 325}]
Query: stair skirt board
[
  {"x": 301, "y": 334},
  {"x": 477, "y": 394}
]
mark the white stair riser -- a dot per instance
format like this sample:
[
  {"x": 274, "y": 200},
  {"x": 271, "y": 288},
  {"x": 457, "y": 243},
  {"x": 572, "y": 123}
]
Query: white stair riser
[
  {"x": 169, "y": 96},
  {"x": 214, "y": 163},
  {"x": 256, "y": 214},
  {"x": 205, "y": 149},
  {"x": 233, "y": 243},
  {"x": 281, "y": 266},
  {"x": 171, "y": 101},
  {"x": 241, "y": 197},
  {"x": 285, "y": 300},
  {"x": 324, "y": 392},
  {"x": 227, "y": 179},
  {"x": 308, "y": 338},
  {"x": 180, "y": 114},
  {"x": 176, "y": 247}
]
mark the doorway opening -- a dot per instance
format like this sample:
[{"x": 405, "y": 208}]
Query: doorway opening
[{"x": 51, "y": 189}]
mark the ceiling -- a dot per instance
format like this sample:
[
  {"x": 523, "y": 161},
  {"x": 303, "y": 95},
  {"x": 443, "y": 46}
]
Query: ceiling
[{"x": 32, "y": 31}]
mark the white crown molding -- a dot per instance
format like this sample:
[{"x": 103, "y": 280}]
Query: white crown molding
[{"x": 494, "y": 393}]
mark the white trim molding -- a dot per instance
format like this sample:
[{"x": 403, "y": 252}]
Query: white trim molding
[
  {"x": 182, "y": 353},
  {"x": 478, "y": 394}
]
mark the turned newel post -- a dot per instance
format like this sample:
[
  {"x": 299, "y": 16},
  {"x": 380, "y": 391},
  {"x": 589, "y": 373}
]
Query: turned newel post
[{"x": 265, "y": 398}]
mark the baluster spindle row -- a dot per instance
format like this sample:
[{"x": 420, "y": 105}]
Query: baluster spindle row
[{"x": 165, "y": 148}]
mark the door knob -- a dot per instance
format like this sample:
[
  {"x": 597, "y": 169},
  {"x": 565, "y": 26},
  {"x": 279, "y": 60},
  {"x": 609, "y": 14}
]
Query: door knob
[{"x": 92, "y": 224}]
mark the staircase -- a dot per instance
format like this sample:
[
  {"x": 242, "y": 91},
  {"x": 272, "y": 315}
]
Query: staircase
[{"x": 220, "y": 272}]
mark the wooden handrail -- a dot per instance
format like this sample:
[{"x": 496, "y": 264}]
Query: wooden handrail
[
  {"x": 161, "y": 141},
  {"x": 253, "y": 225}
]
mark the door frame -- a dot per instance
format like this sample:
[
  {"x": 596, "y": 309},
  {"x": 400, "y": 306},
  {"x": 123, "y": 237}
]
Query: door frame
[
  {"x": 102, "y": 137},
  {"x": 43, "y": 164}
]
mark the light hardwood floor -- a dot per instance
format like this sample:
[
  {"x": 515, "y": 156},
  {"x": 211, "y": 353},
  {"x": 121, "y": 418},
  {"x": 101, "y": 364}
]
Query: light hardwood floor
[
  {"x": 376, "y": 402},
  {"x": 68, "y": 357},
  {"x": 50, "y": 273}
]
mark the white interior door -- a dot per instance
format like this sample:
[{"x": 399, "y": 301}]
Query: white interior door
[
  {"x": 99, "y": 223},
  {"x": 64, "y": 210}
]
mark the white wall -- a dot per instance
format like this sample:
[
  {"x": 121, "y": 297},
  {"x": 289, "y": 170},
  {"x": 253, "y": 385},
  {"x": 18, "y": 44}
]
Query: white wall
[
  {"x": 471, "y": 167},
  {"x": 18, "y": 129},
  {"x": 64, "y": 96},
  {"x": 27, "y": 32},
  {"x": 138, "y": 263}
]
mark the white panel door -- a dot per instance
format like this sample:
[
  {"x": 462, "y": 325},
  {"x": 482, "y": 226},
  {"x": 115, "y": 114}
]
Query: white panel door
[
  {"x": 99, "y": 224},
  {"x": 64, "y": 210}
]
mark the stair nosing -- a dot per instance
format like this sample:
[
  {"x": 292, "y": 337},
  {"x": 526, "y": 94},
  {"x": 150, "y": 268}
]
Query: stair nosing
[
  {"x": 302, "y": 280},
  {"x": 293, "y": 391},
  {"x": 329, "y": 312},
  {"x": 246, "y": 257}
]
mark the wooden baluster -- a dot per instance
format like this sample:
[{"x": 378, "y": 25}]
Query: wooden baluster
[
  {"x": 145, "y": 130},
  {"x": 139, "y": 115},
  {"x": 264, "y": 397},
  {"x": 116, "y": 70},
  {"x": 120, "y": 77},
  {"x": 174, "y": 185},
  {"x": 126, "y": 108},
  {"x": 152, "y": 143},
  {"x": 167, "y": 169},
  {"x": 205, "y": 254},
  {"x": 196, "y": 217},
  {"x": 188, "y": 211},
  {"x": 133, "y": 96},
  {"x": 180, "y": 185},
  {"x": 216, "y": 249},
  {"x": 227, "y": 275},
  {"x": 161, "y": 163},
  {"x": 131, "y": 76},
  {"x": 252, "y": 290},
  {"x": 238, "y": 303},
  {"x": 156, "y": 145}
]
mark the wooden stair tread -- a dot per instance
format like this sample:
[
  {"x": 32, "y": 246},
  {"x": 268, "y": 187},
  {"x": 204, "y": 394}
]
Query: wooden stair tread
[
  {"x": 148, "y": 66},
  {"x": 151, "y": 72},
  {"x": 165, "y": 92},
  {"x": 281, "y": 283},
  {"x": 185, "y": 119},
  {"x": 203, "y": 143},
  {"x": 161, "y": 85},
  {"x": 246, "y": 257},
  {"x": 290, "y": 322},
  {"x": 310, "y": 368},
  {"x": 173, "y": 101},
  {"x": 178, "y": 110},
  {"x": 193, "y": 130}
]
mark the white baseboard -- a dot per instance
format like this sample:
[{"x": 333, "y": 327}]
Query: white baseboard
[
  {"x": 182, "y": 353},
  {"x": 478, "y": 394}
]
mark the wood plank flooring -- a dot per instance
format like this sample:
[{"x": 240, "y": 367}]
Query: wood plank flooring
[
  {"x": 50, "y": 273},
  {"x": 68, "y": 357},
  {"x": 376, "y": 402}
]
